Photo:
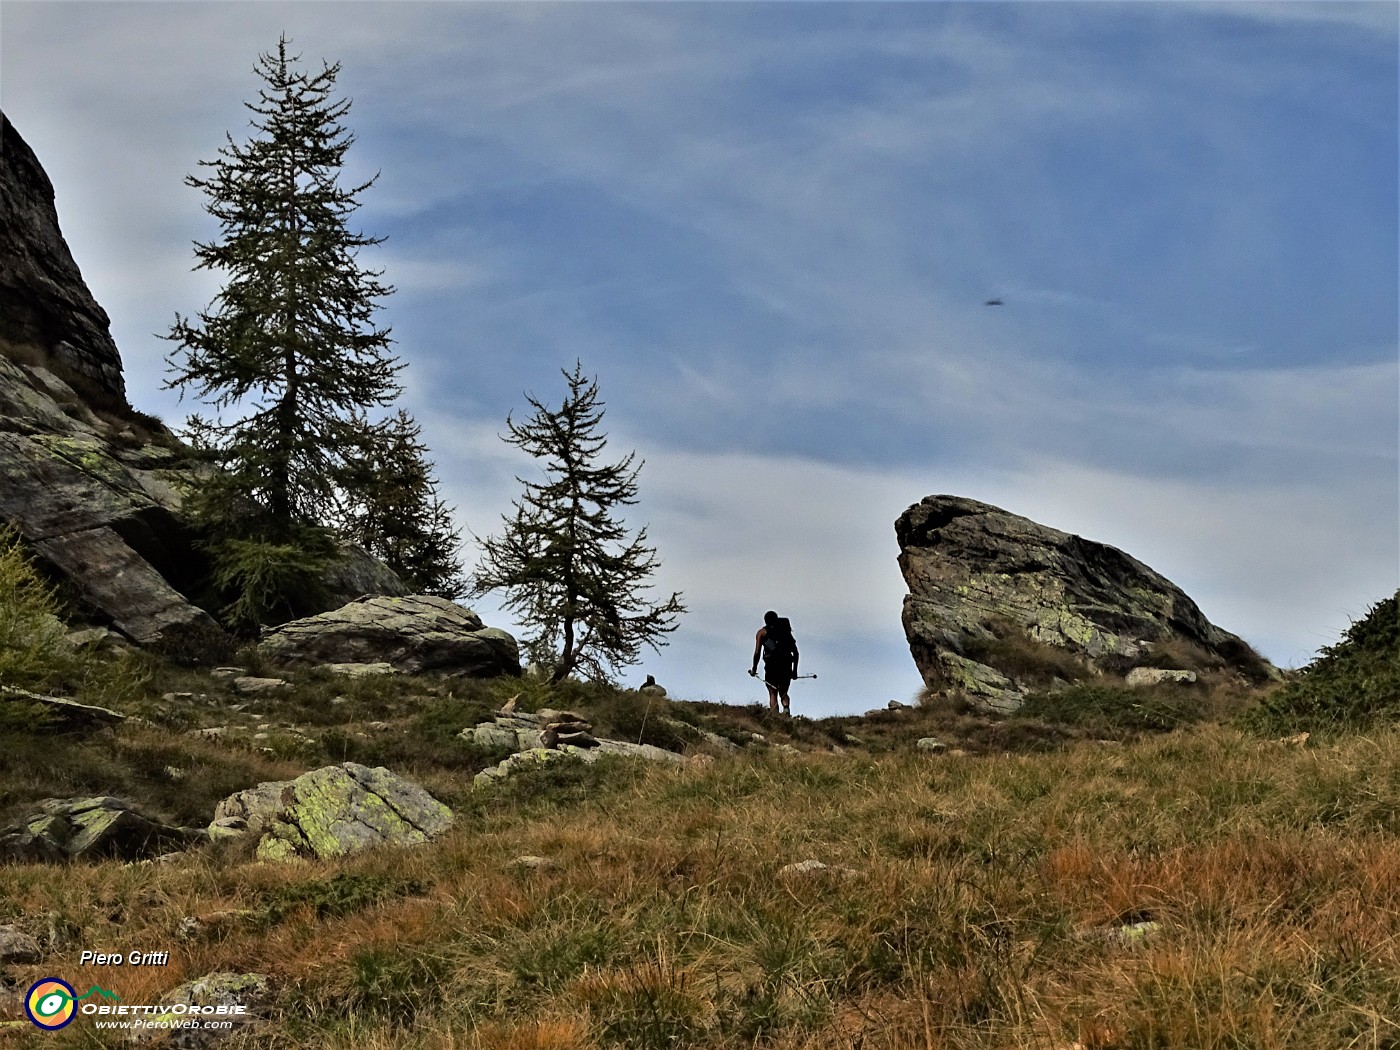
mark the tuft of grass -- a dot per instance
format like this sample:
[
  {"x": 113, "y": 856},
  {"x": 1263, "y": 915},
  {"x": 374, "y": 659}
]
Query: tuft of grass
[{"x": 1108, "y": 709}]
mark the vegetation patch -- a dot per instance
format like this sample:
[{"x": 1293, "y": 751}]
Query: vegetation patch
[{"x": 1352, "y": 684}]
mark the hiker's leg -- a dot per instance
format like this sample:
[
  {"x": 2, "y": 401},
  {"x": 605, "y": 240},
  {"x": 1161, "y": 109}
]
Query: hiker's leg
[
  {"x": 772, "y": 697},
  {"x": 787, "y": 703}
]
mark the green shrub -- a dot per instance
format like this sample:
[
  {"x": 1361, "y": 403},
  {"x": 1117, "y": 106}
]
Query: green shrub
[
  {"x": 33, "y": 650},
  {"x": 343, "y": 894},
  {"x": 1108, "y": 709},
  {"x": 1353, "y": 684}
]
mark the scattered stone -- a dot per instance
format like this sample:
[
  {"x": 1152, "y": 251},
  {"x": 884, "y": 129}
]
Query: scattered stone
[
  {"x": 228, "y": 672},
  {"x": 1156, "y": 675},
  {"x": 64, "y": 716},
  {"x": 932, "y": 745},
  {"x": 90, "y": 828},
  {"x": 758, "y": 738},
  {"x": 249, "y": 684},
  {"x": 897, "y": 705},
  {"x": 787, "y": 749},
  {"x": 336, "y": 701},
  {"x": 815, "y": 867},
  {"x": 533, "y": 863},
  {"x": 253, "y": 991},
  {"x": 209, "y": 733},
  {"x": 334, "y": 811},
  {"x": 652, "y": 688},
  {"x": 1127, "y": 935},
  {"x": 415, "y": 634},
  {"x": 360, "y": 670},
  {"x": 1301, "y": 740},
  {"x": 17, "y": 948},
  {"x": 537, "y": 756},
  {"x": 93, "y": 636}
]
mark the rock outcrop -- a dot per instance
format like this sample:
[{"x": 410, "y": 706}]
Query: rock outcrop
[
  {"x": 44, "y": 304},
  {"x": 985, "y": 583},
  {"x": 331, "y": 812},
  {"x": 93, "y": 487},
  {"x": 62, "y": 829},
  {"x": 415, "y": 634}
]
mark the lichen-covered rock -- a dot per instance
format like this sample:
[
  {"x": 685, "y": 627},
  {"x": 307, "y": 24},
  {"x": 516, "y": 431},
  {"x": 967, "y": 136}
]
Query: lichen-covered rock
[
  {"x": 969, "y": 566},
  {"x": 415, "y": 634},
  {"x": 91, "y": 828},
  {"x": 331, "y": 812}
]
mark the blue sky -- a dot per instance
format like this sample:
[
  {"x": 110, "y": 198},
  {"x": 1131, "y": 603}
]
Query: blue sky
[{"x": 769, "y": 230}]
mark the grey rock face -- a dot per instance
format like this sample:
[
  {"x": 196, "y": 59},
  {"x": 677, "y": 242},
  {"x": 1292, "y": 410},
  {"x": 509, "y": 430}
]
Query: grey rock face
[
  {"x": 969, "y": 564},
  {"x": 415, "y": 634},
  {"x": 92, "y": 499},
  {"x": 90, "y": 828},
  {"x": 331, "y": 812},
  {"x": 43, "y": 300}
]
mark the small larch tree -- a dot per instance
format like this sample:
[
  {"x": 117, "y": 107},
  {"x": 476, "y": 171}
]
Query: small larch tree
[{"x": 572, "y": 573}]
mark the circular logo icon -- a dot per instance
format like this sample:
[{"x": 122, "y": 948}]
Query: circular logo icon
[{"x": 51, "y": 1003}]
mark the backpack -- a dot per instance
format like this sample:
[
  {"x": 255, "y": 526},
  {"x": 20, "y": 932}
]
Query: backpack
[{"x": 778, "y": 643}]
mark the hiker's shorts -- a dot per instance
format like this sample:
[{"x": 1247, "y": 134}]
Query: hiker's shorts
[{"x": 778, "y": 677}]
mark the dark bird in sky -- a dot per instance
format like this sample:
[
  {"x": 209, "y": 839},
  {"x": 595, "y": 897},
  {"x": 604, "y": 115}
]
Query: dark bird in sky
[{"x": 993, "y": 302}]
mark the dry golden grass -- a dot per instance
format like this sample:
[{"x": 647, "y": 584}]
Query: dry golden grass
[{"x": 988, "y": 910}]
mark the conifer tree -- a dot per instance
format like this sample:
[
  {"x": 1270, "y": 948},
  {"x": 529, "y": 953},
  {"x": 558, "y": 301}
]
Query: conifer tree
[
  {"x": 399, "y": 517},
  {"x": 289, "y": 349},
  {"x": 571, "y": 572}
]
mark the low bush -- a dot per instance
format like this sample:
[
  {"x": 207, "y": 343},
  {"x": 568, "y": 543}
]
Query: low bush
[
  {"x": 33, "y": 649},
  {"x": 1353, "y": 684},
  {"x": 1110, "y": 709}
]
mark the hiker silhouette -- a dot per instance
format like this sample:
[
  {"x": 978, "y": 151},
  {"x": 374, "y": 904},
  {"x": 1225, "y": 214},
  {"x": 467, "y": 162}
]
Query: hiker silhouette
[{"x": 775, "y": 643}]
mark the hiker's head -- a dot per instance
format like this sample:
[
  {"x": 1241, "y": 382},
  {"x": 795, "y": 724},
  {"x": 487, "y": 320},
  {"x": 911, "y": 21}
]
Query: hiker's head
[{"x": 770, "y": 618}]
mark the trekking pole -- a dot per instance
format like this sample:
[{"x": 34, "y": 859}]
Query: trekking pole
[{"x": 754, "y": 674}]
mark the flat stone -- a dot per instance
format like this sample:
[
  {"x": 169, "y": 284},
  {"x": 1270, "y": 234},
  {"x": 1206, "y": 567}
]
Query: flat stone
[
  {"x": 932, "y": 745},
  {"x": 360, "y": 670},
  {"x": 1155, "y": 676},
  {"x": 68, "y": 716},
  {"x": 249, "y": 684}
]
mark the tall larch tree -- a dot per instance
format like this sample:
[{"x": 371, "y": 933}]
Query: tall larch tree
[{"x": 289, "y": 349}]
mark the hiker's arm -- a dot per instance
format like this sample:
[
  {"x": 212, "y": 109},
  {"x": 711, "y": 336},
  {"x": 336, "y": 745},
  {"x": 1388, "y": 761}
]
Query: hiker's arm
[
  {"x": 795, "y": 654},
  {"x": 757, "y": 648}
]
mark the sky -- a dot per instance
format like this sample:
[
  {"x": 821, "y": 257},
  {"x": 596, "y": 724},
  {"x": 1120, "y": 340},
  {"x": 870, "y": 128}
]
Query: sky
[{"x": 769, "y": 230}]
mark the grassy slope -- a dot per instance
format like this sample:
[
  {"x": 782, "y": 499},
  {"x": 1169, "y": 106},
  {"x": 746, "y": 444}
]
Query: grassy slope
[{"x": 979, "y": 913}]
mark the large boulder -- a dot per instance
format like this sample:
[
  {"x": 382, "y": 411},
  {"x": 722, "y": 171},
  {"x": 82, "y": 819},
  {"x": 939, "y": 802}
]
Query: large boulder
[
  {"x": 984, "y": 581},
  {"x": 415, "y": 633},
  {"x": 57, "y": 714},
  {"x": 331, "y": 812},
  {"x": 62, "y": 829}
]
